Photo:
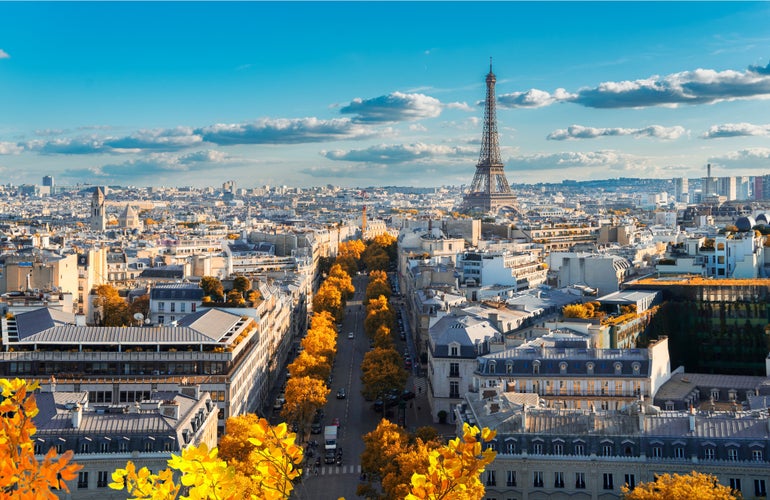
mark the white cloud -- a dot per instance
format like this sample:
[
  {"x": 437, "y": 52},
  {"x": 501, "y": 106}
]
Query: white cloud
[
  {"x": 744, "y": 159},
  {"x": 394, "y": 107},
  {"x": 607, "y": 160},
  {"x": 463, "y": 106},
  {"x": 163, "y": 139},
  {"x": 736, "y": 130},
  {"x": 4, "y": 54},
  {"x": 700, "y": 86},
  {"x": 581, "y": 132},
  {"x": 533, "y": 98},
  {"x": 154, "y": 164},
  {"x": 10, "y": 148},
  {"x": 399, "y": 153},
  {"x": 284, "y": 131}
]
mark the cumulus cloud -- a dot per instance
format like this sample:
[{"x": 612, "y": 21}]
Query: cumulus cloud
[
  {"x": 68, "y": 146},
  {"x": 163, "y": 139},
  {"x": 533, "y": 98},
  {"x": 700, "y": 86},
  {"x": 463, "y": 106},
  {"x": 581, "y": 132},
  {"x": 744, "y": 159},
  {"x": 4, "y": 54},
  {"x": 10, "y": 148},
  {"x": 398, "y": 153},
  {"x": 736, "y": 130},
  {"x": 394, "y": 107},
  {"x": 283, "y": 131},
  {"x": 154, "y": 164},
  {"x": 607, "y": 160}
]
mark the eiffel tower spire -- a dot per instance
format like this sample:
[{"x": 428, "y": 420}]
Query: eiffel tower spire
[{"x": 489, "y": 190}]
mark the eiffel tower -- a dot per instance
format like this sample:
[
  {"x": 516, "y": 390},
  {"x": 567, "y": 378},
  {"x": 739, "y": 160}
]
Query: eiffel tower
[{"x": 489, "y": 190}]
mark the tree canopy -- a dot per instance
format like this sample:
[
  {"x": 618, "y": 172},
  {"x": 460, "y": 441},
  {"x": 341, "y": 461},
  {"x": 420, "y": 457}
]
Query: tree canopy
[{"x": 693, "y": 486}]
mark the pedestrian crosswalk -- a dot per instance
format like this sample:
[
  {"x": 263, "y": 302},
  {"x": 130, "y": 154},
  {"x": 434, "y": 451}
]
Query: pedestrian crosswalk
[{"x": 328, "y": 470}]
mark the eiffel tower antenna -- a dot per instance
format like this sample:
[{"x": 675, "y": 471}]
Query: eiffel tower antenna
[{"x": 489, "y": 191}]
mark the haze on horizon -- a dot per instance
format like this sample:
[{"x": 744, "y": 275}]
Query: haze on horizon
[{"x": 358, "y": 93}]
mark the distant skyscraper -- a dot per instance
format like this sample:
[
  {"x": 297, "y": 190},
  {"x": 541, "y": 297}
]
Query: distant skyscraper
[
  {"x": 48, "y": 180},
  {"x": 489, "y": 191},
  {"x": 681, "y": 189}
]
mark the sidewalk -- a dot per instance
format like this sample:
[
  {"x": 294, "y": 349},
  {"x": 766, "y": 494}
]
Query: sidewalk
[{"x": 418, "y": 413}]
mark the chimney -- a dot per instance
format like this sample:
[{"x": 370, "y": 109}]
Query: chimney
[
  {"x": 170, "y": 409},
  {"x": 692, "y": 419},
  {"x": 77, "y": 416},
  {"x": 524, "y": 418},
  {"x": 708, "y": 170}
]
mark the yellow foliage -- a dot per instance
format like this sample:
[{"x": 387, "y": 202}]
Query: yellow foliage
[
  {"x": 693, "y": 486},
  {"x": 455, "y": 468},
  {"x": 22, "y": 476},
  {"x": 270, "y": 465}
]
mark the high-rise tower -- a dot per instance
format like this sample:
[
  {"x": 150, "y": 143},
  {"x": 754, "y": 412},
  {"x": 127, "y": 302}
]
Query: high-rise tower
[
  {"x": 489, "y": 191},
  {"x": 98, "y": 215}
]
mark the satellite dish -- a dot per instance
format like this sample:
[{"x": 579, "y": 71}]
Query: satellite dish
[
  {"x": 138, "y": 316},
  {"x": 147, "y": 321}
]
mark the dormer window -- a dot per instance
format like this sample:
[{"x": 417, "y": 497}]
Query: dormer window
[
  {"x": 637, "y": 368},
  {"x": 590, "y": 368},
  {"x": 492, "y": 366},
  {"x": 536, "y": 367},
  {"x": 509, "y": 367},
  {"x": 454, "y": 350},
  {"x": 618, "y": 368},
  {"x": 562, "y": 367}
]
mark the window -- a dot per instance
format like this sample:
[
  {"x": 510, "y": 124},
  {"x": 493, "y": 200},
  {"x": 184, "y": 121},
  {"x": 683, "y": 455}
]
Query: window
[
  {"x": 85, "y": 447},
  {"x": 510, "y": 478},
  {"x": 173, "y": 307},
  {"x": 558, "y": 449},
  {"x": 122, "y": 446},
  {"x": 657, "y": 452},
  {"x": 580, "y": 480},
  {"x": 161, "y": 319},
  {"x": 102, "y": 479},
  {"x": 760, "y": 490},
  {"x": 630, "y": 481},
  {"x": 182, "y": 307},
  {"x": 756, "y": 455},
  {"x": 148, "y": 445},
  {"x": 607, "y": 481},
  {"x": 590, "y": 368},
  {"x": 491, "y": 480},
  {"x": 618, "y": 368},
  {"x": 735, "y": 484},
  {"x": 636, "y": 367},
  {"x": 509, "y": 367},
  {"x": 536, "y": 367},
  {"x": 38, "y": 448},
  {"x": 510, "y": 447},
  {"x": 161, "y": 306},
  {"x": 454, "y": 351},
  {"x": 732, "y": 454},
  {"x": 708, "y": 453},
  {"x": 192, "y": 307},
  {"x": 537, "y": 448},
  {"x": 537, "y": 479},
  {"x": 562, "y": 367},
  {"x": 454, "y": 389},
  {"x": 83, "y": 479},
  {"x": 558, "y": 480},
  {"x": 607, "y": 450},
  {"x": 679, "y": 452},
  {"x": 454, "y": 369},
  {"x": 580, "y": 449}
]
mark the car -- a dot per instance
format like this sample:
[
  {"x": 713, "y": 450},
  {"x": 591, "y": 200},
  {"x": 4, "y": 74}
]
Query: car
[
  {"x": 336, "y": 421},
  {"x": 408, "y": 363},
  {"x": 282, "y": 398},
  {"x": 277, "y": 405},
  {"x": 341, "y": 393},
  {"x": 407, "y": 395},
  {"x": 351, "y": 335}
]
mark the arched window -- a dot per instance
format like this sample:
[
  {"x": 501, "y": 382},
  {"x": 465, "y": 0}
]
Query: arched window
[
  {"x": 536, "y": 367},
  {"x": 562, "y": 367}
]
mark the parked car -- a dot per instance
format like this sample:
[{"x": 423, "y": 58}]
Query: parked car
[
  {"x": 407, "y": 395},
  {"x": 351, "y": 335},
  {"x": 341, "y": 393}
]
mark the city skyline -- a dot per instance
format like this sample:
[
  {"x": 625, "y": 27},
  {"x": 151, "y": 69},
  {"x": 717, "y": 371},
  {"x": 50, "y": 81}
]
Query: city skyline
[{"x": 356, "y": 94}]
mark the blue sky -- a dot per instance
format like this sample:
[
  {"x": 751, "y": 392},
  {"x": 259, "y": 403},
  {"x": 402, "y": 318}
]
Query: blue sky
[{"x": 363, "y": 93}]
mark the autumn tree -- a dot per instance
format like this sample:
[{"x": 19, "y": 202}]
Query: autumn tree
[
  {"x": 304, "y": 395},
  {"x": 140, "y": 305},
  {"x": 351, "y": 248},
  {"x": 375, "y": 257},
  {"x": 383, "y": 339},
  {"x": 376, "y": 289},
  {"x": 308, "y": 365},
  {"x": 235, "y": 298},
  {"x": 237, "y": 449},
  {"x": 341, "y": 280},
  {"x": 242, "y": 284},
  {"x": 378, "y": 313},
  {"x": 114, "y": 309},
  {"x": 329, "y": 298},
  {"x": 212, "y": 287},
  {"x": 693, "y": 486},
  {"x": 381, "y": 371},
  {"x": 268, "y": 470},
  {"x": 455, "y": 468},
  {"x": 22, "y": 476},
  {"x": 381, "y": 447},
  {"x": 388, "y": 243}
]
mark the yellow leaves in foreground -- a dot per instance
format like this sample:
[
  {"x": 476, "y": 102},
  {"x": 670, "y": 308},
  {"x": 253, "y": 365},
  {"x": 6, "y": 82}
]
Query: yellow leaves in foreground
[
  {"x": 455, "y": 469},
  {"x": 21, "y": 475},
  {"x": 274, "y": 460},
  {"x": 693, "y": 486}
]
